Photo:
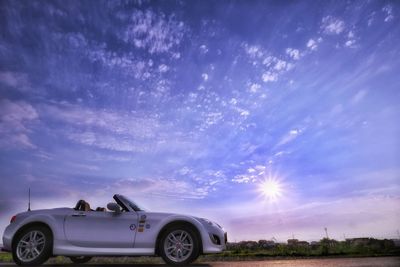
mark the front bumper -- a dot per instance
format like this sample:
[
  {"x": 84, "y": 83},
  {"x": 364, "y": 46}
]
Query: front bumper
[
  {"x": 7, "y": 237},
  {"x": 214, "y": 241}
]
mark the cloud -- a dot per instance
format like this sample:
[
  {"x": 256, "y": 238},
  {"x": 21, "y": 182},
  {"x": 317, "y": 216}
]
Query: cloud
[
  {"x": 351, "y": 40},
  {"x": 313, "y": 44},
  {"x": 253, "y": 174},
  {"x": 243, "y": 178},
  {"x": 213, "y": 118},
  {"x": 203, "y": 49},
  {"x": 350, "y": 43},
  {"x": 243, "y": 112},
  {"x": 163, "y": 68},
  {"x": 138, "y": 126},
  {"x": 332, "y": 25},
  {"x": 358, "y": 96},
  {"x": 159, "y": 187},
  {"x": 105, "y": 129},
  {"x": 270, "y": 66},
  {"x": 290, "y": 136},
  {"x": 167, "y": 142},
  {"x": 15, "y": 121},
  {"x": 270, "y": 77},
  {"x": 353, "y": 216},
  {"x": 293, "y": 53},
  {"x": 17, "y": 81},
  {"x": 126, "y": 63},
  {"x": 254, "y": 87},
  {"x": 254, "y": 51},
  {"x": 117, "y": 131},
  {"x": 282, "y": 65},
  {"x": 154, "y": 32},
  {"x": 388, "y": 10},
  {"x": 108, "y": 141}
]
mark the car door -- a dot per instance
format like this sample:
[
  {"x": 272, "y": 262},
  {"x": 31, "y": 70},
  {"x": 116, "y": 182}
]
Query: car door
[{"x": 98, "y": 229}]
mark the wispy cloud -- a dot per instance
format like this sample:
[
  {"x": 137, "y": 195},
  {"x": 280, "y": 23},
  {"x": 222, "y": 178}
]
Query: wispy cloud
[
  {"x": 117, "y": 131},
  {"x": 16, "y": 81},
  {"x": 352, "y": 217},
  {"x": 290, "y": 136},
  {"x": 294, "y": 53},
  {"x": 351, "y": 40},
  {"x": 15, "y": 120},
  {"x": 388, "y": 9},
  {"x": 138, "y": 126},
  {"x": 358, "y": 96},
  {"x": 158, "y": 187},
  {"x": 332, "y": 25},
  {"x": 253, "y": 174},
  {"x": 312, "y": 44},
  {"x": 154, "y": 32}
]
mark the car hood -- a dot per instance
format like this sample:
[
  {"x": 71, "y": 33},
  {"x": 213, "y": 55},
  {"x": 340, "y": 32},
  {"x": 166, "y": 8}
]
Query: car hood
[{"x": 46, "y": 211}]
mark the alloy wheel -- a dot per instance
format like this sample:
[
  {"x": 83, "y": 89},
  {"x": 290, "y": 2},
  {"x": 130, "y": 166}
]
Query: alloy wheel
[
  {"x": 31, "y": 245},
  {"x": 178, "y": 246}
]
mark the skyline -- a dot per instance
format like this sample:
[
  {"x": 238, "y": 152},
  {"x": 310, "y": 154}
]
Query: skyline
[{"x": 271, "y": 118}]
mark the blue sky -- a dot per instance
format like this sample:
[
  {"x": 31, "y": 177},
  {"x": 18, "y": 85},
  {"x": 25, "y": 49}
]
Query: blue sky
[{"x": 190, "y": 106}]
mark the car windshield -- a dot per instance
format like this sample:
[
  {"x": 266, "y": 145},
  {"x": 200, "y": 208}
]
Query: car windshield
[{"x": 131, "y": 203}]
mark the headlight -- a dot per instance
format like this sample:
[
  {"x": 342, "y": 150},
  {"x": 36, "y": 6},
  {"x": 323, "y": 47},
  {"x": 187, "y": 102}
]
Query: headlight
[{"x": 211, "y": 223}]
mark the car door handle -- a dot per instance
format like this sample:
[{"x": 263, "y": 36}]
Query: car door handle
[{"x": 78, "y": 215}]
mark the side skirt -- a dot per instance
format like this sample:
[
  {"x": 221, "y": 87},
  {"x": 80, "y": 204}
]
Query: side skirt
[{"x": 86, "y": 251}]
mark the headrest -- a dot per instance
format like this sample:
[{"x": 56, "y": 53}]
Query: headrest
[{"x": 87, "y": 206}]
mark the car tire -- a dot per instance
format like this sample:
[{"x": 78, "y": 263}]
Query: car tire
[
  {"x": 32, "y": 246},
  {"x": 179, "y": 245},
  {"x": 80, "y": 259}
]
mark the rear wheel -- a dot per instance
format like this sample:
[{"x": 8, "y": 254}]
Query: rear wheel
[
  {"x": 80, "y": 259},
  {"x": 179, "y": 245},
  {"x": 33, "y": 246}
]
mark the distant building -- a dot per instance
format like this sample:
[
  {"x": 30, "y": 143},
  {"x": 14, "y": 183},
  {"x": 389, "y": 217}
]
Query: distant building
[
  {"x": 328, "y": 242},
  {"x": 266, "y": 243},
  {"x": 292, "y": 242},
  {"x": 360, "y": 241},
  {"x": 303, "y": 244},
  {"x": 295, "y": 242},
  {"x": 248, "y": 244},
  {"x": 315, "y": 243},
  {"x": 396, "y": 242}
]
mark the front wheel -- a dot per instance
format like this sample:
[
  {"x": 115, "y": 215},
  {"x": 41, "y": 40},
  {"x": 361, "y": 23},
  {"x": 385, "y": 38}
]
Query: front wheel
[
  {"x": 33, "y": 246},
  {"x": 179, "y": 245},
  {"x": 80, "y": 259}
]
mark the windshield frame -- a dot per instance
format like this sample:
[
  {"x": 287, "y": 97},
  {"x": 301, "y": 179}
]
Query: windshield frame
[{"x": 127, "y": 204}]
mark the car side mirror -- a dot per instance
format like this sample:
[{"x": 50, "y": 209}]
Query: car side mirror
[{"x": 114, "y": 207}]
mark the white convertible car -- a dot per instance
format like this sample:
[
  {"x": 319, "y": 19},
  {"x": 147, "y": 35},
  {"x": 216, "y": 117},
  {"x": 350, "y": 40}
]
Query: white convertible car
[{"x": 126, "y": 230}]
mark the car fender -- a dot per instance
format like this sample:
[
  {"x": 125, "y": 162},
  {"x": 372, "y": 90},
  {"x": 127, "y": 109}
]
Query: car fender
[
  {"x": 156, "y": 222},
  {"x": 54, "y": 220}
]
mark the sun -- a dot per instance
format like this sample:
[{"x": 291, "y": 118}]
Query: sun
[{"x": 271, "y": 189}]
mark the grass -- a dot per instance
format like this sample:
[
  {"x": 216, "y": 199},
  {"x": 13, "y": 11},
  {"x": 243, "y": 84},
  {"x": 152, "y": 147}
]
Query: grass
[{"x": 5, "y": 257}]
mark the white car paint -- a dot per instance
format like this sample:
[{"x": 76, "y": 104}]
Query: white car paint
[{"x": 97, "y": 233}]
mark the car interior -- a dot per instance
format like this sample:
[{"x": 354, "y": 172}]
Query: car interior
[{"x": 83, "y": 205}]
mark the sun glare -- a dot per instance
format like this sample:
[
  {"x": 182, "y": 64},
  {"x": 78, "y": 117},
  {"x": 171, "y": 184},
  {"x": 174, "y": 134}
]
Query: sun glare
[{"x": 271, "y": 189}]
